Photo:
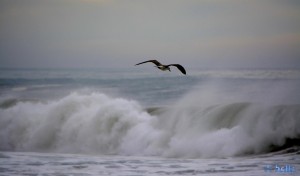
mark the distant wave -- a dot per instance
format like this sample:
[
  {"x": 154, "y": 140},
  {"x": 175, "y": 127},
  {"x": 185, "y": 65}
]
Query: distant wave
[
  {"x": 8, "y": 103},
  {"x": 250, "y": 74},
  {"x": 28, "y": 81},
  {"x": 97, "y": 123}
]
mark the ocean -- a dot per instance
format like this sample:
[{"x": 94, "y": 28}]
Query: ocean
[{"x": 142, "y": 121}]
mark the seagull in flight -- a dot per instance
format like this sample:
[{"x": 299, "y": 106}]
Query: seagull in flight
[{"x": 165, "y": 67}]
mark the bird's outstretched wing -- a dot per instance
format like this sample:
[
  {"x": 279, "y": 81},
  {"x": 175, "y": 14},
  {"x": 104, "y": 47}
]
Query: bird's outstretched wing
[
  {"x": 153, "y": 61},
  {"x": 180, "y": 67}
]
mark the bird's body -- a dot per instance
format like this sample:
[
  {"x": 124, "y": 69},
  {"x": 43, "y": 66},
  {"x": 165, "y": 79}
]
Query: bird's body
[{"x": 165, "y": 67}]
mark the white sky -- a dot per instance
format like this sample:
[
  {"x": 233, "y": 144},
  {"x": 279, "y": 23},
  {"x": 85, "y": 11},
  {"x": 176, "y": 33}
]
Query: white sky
[{"x": 120, "y": 33}]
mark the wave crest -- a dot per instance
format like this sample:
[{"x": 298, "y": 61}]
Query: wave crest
[
  {"x": 77, "y": 123},
  {"x": 97, "y": 123}
]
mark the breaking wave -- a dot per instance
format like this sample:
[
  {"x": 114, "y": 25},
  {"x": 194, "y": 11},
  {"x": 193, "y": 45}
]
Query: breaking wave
[{"x": 98, "y": 124}]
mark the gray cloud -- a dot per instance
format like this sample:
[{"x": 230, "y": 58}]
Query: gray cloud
[{"x": 96, "y": 33}]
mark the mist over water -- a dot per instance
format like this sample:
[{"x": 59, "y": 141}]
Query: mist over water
[
  {"x": 221, "y": 120},
  {"x": 212, "y": 118}
]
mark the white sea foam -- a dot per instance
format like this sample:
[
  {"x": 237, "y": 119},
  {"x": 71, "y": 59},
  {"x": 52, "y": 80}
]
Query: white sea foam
[
  {"x": 76, "y": 123},
  {"x": 199, "y": 125}
]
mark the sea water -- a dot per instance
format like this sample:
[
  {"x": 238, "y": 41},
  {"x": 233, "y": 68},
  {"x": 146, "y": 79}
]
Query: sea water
[{"x": 133, "y": 121}]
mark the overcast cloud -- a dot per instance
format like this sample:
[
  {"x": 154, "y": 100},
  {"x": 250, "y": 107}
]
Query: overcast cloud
[{"x": 120, "y": 33}]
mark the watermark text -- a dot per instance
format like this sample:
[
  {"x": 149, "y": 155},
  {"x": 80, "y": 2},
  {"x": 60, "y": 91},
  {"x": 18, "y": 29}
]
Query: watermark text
[{"x": 276, "y": 168}]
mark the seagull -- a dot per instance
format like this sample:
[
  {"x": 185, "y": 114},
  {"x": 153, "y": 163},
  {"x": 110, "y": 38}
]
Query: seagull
[{"x": 164, "y": 67}]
